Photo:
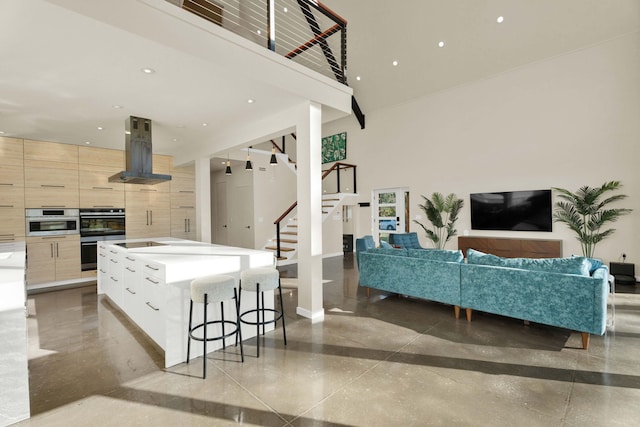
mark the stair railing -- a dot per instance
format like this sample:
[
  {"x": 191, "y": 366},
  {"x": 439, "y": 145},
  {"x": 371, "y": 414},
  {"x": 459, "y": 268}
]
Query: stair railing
[{"x": 336, "y": 167}]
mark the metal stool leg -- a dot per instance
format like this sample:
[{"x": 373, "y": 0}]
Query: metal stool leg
[
  {"x": 258, "y": 320},
  {"x": 284, "y": 332},
  {"x": 189, "y": 333},
  {"x": 239, "y": 330},
  {"x": 224, "y": 345},
  {"x": 204, "y": 342}
]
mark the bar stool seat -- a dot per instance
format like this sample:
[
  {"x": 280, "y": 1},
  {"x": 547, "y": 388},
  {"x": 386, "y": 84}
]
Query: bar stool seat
[
  {"x": 213, "y": 289},
  {"x": 259, "y": 280}
]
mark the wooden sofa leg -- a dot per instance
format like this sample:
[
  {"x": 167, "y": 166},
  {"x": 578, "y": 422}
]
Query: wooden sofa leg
[
  {"x": 456, "y": 311},
  {"x": 469, "y": 311},
  {"x": 585, "y": 340},
  {"x": 368, "y": 292}
]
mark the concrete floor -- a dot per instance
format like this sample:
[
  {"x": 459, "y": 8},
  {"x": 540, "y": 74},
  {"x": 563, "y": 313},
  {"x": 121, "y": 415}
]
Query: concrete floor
[{"x": 378, "y": 361}]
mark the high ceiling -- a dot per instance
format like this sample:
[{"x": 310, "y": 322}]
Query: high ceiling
[{"x": 66, "y": 64}]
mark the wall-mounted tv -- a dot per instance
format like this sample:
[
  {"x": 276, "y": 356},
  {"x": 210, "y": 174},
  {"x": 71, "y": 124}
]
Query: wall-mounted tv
[{"x": 512, "y": 211}]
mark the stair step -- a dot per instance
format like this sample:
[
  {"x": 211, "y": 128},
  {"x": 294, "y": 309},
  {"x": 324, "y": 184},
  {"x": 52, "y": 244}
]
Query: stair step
[
  {"x": 288, "y": 240},
  {"x": 282, "y": 248},
  {"x": 289, "y": 233},
  {"x": 282, "y": 258},
  {"x": 331, "y": 200},
  {"x": 292, "y": 225}
]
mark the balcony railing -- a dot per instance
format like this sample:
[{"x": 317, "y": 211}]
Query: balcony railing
[{"x": 304, "y": 31}]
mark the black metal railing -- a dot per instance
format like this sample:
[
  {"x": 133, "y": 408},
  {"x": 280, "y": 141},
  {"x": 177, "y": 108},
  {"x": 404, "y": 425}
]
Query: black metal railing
[
  {"x": 304, "y": 31},
  {"x": 336, "y": 167}
]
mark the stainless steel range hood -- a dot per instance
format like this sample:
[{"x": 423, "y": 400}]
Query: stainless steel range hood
[{"x": 138, "y": 155}]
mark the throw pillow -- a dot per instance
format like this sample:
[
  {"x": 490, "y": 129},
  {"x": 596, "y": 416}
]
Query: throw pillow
[{"x": 385, "y": 245}]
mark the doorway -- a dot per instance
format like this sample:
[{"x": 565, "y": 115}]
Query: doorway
[{"x": 390, "y": 213}]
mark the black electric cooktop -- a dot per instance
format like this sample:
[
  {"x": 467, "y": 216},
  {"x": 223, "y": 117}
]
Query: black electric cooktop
[{"x": 134, "y": 245}]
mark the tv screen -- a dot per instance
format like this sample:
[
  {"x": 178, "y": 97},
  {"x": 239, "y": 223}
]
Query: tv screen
[{"x": 513, "y": 211}]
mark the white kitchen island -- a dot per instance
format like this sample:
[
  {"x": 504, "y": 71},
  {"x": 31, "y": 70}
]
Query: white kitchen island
[
  {"x": 14, "y": 374},
  {"x": 149, "y": 280}
]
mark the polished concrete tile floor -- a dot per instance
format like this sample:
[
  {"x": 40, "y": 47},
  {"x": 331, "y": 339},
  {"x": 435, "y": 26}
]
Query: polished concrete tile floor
[{"x": 379, "y": 361}]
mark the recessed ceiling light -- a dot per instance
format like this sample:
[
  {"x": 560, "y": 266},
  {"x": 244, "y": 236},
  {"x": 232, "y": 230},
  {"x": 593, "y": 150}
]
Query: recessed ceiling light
[
  {"x": 100, "y": 128},
  {"x": 88, "y": 142},
  {"x": 500, "y": 19},
  {"x": 175, "y": 139},
  {"x": 285, "y": 10},
  {"x": 258, "y": 32},
  {"x": 250, "y": 101},
  {"x": 205, "y": 124},
  {"x": 127, "y": 132},
  {"x": 117, "y": 107},
  {"x": 440, "y": 43},
  {"x": 148, "y": 70},
  {"x": 395, "y": 63},
  {"x": 358, "y": 78},
  {"x": 181, "y": 126}
]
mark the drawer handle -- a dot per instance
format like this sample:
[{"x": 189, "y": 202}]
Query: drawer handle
[
  {"x": 154, "y": 308},
  {"x": 102, "y": 271},
  {"x": 114, "y": 252},
  {"x": 53, "y": 206},
  {"x": 113, "y": 261},
  {"x": 131, "y": 270},
  {"x": 186, "y": 207},
  {"x": 153, "y": 268},
  {"x": 130, "y": 259},
  {"x": 51, "y": 186},
  {"x": 152, "y": 281},
  {"x": 113, "y": 278},
  {"x": 130, "y": 291},
  {"x": 7, "y": 206},
  {"x": 102, "y": 255},
  {"x": 8, "y": 183},
  {"x": 103, "y": 188},
  {"x": 148, "y": 189}
]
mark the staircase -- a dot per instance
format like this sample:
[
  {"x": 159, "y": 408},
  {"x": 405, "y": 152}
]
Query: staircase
[{"x": 289, "y": 231}]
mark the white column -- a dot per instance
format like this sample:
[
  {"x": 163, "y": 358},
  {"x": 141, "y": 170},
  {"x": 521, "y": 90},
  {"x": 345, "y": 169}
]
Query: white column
[
  {"x": 203, "y": 199},
  {"x": 309, "y": 193}
]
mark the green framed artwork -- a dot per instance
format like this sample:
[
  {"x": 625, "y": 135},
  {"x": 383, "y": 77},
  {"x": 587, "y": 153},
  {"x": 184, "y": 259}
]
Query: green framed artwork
[{"x": 334, "y": 147}]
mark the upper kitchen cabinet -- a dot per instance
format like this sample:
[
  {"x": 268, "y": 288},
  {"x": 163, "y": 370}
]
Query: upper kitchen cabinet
[
  {"x": 51, "y": 175},
  {"x": 11, "y": 190},
  {"x": 11, "y": 159},
  {"x": 96, "y": 165}
]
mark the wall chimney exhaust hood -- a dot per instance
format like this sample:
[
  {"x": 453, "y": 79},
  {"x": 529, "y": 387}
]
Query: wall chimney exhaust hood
[{"x": 138, "y": 155}]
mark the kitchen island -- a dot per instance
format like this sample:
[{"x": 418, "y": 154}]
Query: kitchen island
[
  {"x": 149, "y": 280},
  {"x": 14, "y": 374}
]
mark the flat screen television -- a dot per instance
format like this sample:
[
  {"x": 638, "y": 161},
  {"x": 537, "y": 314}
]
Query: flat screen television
[{"x": 512, "y": 211}]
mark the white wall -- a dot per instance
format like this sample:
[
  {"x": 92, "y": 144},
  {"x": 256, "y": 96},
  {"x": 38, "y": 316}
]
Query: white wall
[{"x": 568, "y": 121}]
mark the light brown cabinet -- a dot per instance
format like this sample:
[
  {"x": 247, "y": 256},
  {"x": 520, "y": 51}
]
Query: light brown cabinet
[
  {"x": 52, "y": 258},
  {"x": 50, "y": 175},
  {"x": 96, "y": 165},
  {"x": 183, "y": 203},
  {"x": 11, "y": 190},
  {"x": 147, "y": 214}
]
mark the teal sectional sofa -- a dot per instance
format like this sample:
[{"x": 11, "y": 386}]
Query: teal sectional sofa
[
  {"x": 423, "y": 273},
  {"x": 569, "y": 293}
]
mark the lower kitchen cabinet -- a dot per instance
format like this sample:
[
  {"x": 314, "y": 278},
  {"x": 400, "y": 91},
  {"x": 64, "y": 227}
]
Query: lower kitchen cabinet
[{"x": 53, "y": 258}]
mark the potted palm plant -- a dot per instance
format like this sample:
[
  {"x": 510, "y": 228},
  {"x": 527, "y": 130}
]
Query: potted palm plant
[
  {"x": 442, "y": 213},
  {"x": 585, "y": 213}
]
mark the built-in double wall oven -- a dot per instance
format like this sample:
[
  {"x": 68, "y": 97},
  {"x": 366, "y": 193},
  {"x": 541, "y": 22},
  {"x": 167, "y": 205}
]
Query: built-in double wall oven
[{"x": 98, "y": 225}]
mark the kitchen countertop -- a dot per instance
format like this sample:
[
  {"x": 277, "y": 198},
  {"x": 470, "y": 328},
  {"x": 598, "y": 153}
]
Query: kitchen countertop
[{"x": 12, "y": 279}]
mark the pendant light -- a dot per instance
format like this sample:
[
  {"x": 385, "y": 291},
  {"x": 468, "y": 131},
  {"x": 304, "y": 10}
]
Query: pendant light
[
  {"x": 227, "y": 171},
  {"x": 274, "y": 160},
  {"x": 248, "y": 166}
]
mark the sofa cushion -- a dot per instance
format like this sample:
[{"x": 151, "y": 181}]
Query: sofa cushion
[
  {"x": 406, "y": 240},
  {"x": 571, "y": 265},
  {"x": 389, "y": 251},
  {"x": 436, "y": 254},
  {"x": 385, "y": 245}
]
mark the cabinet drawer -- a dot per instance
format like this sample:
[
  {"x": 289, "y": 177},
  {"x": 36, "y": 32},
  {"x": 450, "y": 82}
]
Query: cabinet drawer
[
  {"x": 101, "y": 198},
  {"x": 102, "y": 157},
  {"x": 12, "y": 176},
  {"x": 51, "y": 198},
  {"x": 93, "y": 177},
  {"x": 48, "y": 154},
  {"x": 12, "y": 151},
  {"x": 184, "y": 200},
  {"x": 51, "y": 178}
]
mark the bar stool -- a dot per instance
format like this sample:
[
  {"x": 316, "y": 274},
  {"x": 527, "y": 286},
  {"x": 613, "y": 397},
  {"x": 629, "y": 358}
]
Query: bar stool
[
  {"x": 259, "y": 280},
  {"x": 212, "y": 289}
]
